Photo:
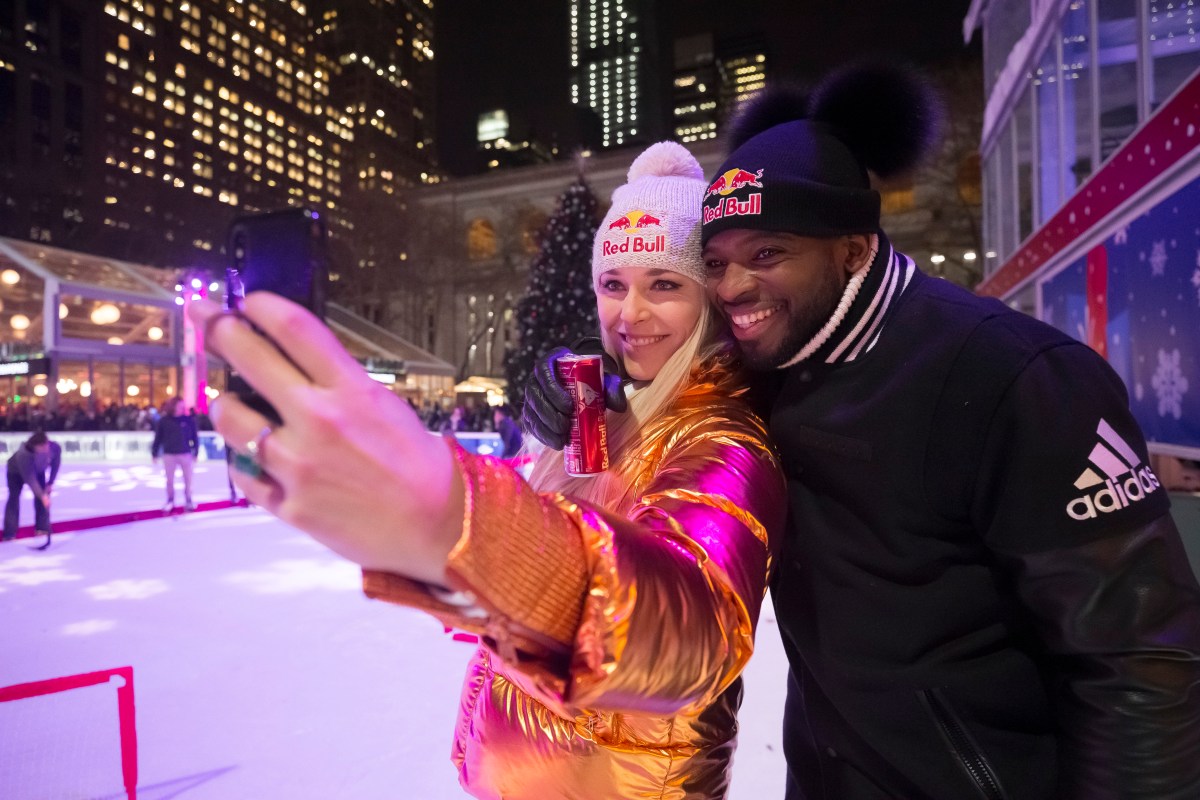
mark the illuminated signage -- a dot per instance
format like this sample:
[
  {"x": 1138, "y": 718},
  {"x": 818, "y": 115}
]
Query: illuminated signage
[
  {"x": 384, "y": 365},
  {"x": 34, "y": 366}
]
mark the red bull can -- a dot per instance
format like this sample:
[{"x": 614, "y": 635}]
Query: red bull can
[{"x": 586, "y": 452}]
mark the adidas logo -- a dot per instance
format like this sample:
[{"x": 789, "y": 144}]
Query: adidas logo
[{"x": 1121, "y": 476}]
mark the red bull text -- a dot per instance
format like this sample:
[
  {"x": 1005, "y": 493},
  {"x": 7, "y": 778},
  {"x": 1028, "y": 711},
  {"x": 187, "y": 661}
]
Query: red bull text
[
  {"x": 732, "y": 207},
  {"x": 586, "y": 452},
  {"x": 635, "y": 244}
]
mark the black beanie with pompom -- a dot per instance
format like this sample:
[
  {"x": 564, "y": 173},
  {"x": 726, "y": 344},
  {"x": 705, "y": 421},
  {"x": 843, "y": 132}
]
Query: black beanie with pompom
[{"x": 801, "y": 163}]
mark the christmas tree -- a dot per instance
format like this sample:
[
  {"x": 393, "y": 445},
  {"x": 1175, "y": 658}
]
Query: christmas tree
[{"x": 559, "y": 305}]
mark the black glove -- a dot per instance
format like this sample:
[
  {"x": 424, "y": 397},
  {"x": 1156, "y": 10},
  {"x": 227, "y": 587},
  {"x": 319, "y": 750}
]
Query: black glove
[{"x": 548, "y": 407}]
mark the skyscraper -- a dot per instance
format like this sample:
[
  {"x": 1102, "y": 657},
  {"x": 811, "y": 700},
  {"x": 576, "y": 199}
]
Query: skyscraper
[
  {"x": 612, "y": 66},
  {"x": 381, "y": 56},
  {"x": 742, "y": 67},
  {"x": 711, "y": 81},
  {"x": 694, "y": 89},
  {"x": 139, "y": 128}
]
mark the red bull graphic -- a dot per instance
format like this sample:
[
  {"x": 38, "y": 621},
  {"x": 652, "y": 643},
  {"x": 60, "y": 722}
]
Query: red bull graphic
[
  {"x": 632, "y": 222},
  {"x": 733, "y": 180},
  {"x": 634, "y": 225},
  {"x": 586, "y": 453}
]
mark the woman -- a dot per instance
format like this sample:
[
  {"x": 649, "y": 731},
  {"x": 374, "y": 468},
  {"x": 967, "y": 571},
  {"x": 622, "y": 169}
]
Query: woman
[{"x": 616, "y": 612}]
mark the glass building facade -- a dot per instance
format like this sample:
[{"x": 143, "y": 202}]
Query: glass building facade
[
  {"x": 1091, "y": 153},
  {"x": 1065, "y": 88},
  {"x": 91, "y": 332}
]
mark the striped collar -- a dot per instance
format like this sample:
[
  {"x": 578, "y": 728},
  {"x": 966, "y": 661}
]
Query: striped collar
[{"x": 860, "y": 330}]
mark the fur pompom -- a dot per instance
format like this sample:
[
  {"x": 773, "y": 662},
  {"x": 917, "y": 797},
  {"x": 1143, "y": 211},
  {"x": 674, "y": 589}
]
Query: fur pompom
[
  {"x": 889, "y": 116},
  {"x": 665, "y": 160},
  {"x": 773, "y": 106}
]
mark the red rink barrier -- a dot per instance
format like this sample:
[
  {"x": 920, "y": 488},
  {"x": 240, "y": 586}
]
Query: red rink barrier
[
  {"x": 87, "y": 523},
  {"x": 125, "y": 711}
]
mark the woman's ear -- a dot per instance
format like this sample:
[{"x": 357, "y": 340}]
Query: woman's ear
[{"x": 855, "y": 252}]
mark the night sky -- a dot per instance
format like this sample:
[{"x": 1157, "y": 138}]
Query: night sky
[{"x": 513, "y": 55}]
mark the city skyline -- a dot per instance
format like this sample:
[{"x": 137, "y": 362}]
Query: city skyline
[{"x": 492, "y": 58}]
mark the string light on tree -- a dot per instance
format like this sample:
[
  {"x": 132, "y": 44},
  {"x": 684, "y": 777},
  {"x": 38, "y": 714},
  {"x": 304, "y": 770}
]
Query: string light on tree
[{"x": 558, "y": 306}]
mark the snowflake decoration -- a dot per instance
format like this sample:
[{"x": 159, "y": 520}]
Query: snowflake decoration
[
  {"x": 1196, "y": 277},
  {"x": 1169, "y": 384},
  {"x": 1158, "y": 259},
  {"x": 1121, "y": 236}
]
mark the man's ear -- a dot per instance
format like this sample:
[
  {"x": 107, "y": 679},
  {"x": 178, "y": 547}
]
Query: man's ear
[{"x": 855, "y": 252}]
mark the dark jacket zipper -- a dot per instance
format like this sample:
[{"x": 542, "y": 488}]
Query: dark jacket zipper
[{"x": 963, "y": 746}]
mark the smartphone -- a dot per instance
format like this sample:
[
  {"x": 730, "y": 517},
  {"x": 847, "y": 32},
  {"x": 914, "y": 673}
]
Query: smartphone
[{"x": 283, "y": 252}]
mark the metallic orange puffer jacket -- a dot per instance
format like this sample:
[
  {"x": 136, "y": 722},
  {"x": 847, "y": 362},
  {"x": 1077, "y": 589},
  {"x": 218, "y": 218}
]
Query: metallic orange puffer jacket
[{"x": 613, "y": 643}]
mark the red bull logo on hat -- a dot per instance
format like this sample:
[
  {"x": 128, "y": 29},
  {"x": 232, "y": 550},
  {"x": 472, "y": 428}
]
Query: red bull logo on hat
[
  {"x": 728, "y": 183},
  {"x": 632, "y": 222},
  {"x": 731, "y": 181}
]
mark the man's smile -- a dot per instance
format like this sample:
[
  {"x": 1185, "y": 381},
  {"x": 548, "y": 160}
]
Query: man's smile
[{"x": 744, "y": 322}]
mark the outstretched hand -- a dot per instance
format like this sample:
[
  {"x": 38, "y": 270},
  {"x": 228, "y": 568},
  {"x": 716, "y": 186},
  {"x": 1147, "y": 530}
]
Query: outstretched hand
[{"x": 351, "y": 464}]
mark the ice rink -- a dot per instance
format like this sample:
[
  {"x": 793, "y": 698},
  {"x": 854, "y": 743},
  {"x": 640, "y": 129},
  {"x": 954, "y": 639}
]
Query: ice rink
[
  {"x": 84, "y": 490},
  {"x": 260, "y": 670}
]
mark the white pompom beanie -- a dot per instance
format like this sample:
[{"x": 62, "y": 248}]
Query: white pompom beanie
[{"x": 654, "y": 221}]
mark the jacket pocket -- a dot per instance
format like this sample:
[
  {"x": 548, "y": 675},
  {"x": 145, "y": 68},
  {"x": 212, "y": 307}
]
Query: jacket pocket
[{"x": 962, "y": 745}]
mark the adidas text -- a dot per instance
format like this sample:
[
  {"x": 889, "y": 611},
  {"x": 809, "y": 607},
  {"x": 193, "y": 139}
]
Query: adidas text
[{"x": 1114, "y": 495}]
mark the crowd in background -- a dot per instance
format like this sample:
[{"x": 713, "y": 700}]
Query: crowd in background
[
  {"x": 80, "y": 417},
  {"x": 475, "y": 418},
  {"x": 479, "y": 418}
]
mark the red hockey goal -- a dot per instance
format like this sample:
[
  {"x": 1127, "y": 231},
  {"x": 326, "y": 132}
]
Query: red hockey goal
[{"x": 123, "y": 678}]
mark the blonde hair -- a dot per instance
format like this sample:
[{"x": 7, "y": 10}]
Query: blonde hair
[{"x": 609, "y": 490}]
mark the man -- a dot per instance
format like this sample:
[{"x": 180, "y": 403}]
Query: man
[
  {"x": 178, "y": 442},
  {"x": 982, "y": 593},
  {"x": 27, "y": 467},
  {"x": 510, "y": 432}
]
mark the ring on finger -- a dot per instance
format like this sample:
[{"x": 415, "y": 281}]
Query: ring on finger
[
  {"x": 256, "y": 445},
  {"x": 250, "y": 462}
]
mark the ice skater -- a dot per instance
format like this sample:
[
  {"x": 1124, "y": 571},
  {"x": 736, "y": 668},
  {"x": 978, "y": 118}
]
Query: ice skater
[
  {"x": 27, "y": 467},
  {"x": 177, "y": 442}
]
